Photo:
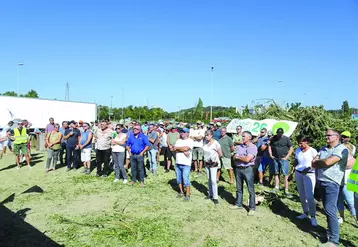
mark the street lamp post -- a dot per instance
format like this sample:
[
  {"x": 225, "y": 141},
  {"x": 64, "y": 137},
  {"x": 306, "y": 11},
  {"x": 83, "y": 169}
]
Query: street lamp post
[
  {"x": 122, "y": 103},
  {"x": 110, "y": 111},
  {"x": 18, "y": 78},
  {"x": 278, "y": 90},
  {"x": 212, "y": 93}
]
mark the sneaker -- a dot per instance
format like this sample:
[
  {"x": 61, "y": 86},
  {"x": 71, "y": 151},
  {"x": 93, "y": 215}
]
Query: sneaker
[
  {"x": 216, "y": 201},
  {"x": 166, "y": 170},
  {"x": 18, "y": 167},
  {"x": 287, "y": 194},
  {"x": 251, "y": 212},
  {"x": 88, "y": 171},
  {"x": 125, "y": 181},
  {"x": 302, "y": 217},
  {"x": 275, "y": 190},
  {"x": 104, "y": 175},
  {"x": 340, "y": 220},
  {"x": 180, "y": 195},
  {"x": 208, "y": 198},
  {"x": 328, "y": 244},
  {"x": 142, "y": 184},
  {"x": 98, "y": 175},
  {"x": 30, "y": 167},
  {"x": 187, "y": 198},
  {"x": 314, "y": 221},
  {"x": 132, "y": 183},
  {"x": 235, "y": 207},
  {"x": 116, "y": 180},
  {"x": 84, "y": 170}
]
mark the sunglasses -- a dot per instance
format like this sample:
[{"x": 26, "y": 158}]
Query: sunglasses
[
  {"x": 331, "y": 135},
  {"x": 345, "y": 137},
  {"x": 136, "y": 129}
]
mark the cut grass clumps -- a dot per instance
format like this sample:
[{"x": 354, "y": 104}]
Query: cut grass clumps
[{"x": 118, "y": 230}]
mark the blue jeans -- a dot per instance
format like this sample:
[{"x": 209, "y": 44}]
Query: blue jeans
[
  {"x": 348, "y": 196},
  {"x": 137, "y": 166},
  {"x": 330, "y": 192},
  {"x": 183, "y": 174},
  {"x": 72, "y": 155},
  {"x": 281, "y": 165},
  {"x": 152, "y": 156},
  {"x": 247, "y": 175}
]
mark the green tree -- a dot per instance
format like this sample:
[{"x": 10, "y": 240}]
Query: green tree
[
  {"x": 199, "y": 110},
  {"x": 346, "y": 112},
  {"x": 10, "y": 93},
  {"x": 31, "y": 94}
]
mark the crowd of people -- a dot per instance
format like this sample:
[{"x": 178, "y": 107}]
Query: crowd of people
[{"x": 331, "y": 170}]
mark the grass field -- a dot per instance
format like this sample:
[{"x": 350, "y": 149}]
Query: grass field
[{"x": 71, "y": 209}]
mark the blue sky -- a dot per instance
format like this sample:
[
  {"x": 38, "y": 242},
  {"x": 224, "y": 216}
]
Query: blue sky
[{"x": 161, "y": 52}]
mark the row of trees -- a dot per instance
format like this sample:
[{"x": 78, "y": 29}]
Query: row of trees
[{"x": 29, "y": 94}]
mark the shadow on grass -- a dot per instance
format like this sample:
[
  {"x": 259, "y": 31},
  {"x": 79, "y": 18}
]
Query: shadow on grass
[
  {"x": 200, "y": 187},
  {"x": 14, "y": 231},
  {"x": 173, "y": 184},
  {"x": 280, "y": 208},
  {"x": 226, "y": 195},
  {"x": 8, "y": 167}
]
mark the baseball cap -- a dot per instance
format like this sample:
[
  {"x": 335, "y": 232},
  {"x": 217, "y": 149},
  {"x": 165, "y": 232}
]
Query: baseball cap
[
  {"x": 218, "y": 124},
  {"x": 198, "y": 122},
  {"x": 279, "y": 130},
  {"x": 346, "y": 133},
  {"x": 211, "y": 123},
  {"x": 184, "y": 130},
  {"x": 269, "y": 133},
  {"x": 20, "y": 121}
]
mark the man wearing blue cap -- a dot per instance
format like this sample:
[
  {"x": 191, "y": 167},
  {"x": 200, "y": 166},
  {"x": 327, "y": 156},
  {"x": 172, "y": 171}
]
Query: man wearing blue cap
[{"x": 183, "y": 148}]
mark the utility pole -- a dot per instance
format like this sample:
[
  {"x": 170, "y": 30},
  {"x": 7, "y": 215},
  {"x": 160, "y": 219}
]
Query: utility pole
[
  {"x": 212, "y": 93},
  {"x": 67, "y": 93}
]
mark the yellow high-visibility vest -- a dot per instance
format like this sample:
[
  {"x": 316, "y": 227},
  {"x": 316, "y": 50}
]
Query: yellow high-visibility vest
[
  {"x": 20, "y": 137},
  {"x": 352, "y": 182}
]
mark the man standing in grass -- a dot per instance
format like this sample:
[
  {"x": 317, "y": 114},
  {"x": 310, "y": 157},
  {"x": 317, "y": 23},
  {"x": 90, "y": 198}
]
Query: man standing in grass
[
  {"x": 244, "y": 161},
  {"x": 227, "y": 146},
  {"x": 331, "y": 163},
  {"x": 183, "y": 148},
  {"x": 280, "y": 150},
  {"x": 153, "y": 148},
  {"x": 197, "y": 134},
  {"x": 137, "y": 145},
  {"x": 20, "y": 137},
  {"x": 73, "y": 137}
]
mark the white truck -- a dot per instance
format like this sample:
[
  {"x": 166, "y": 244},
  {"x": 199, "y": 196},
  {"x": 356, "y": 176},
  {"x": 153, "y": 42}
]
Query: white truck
[{"x": 38, "y": 111}]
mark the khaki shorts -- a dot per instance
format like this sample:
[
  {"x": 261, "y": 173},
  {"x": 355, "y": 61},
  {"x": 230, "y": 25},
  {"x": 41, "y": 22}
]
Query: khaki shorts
[
  {"x": 86, "y": 154},
  {"x": 20, "y": 149},
  {"x": 198, "y": 153},
  {"x": 226, "y": 163}
]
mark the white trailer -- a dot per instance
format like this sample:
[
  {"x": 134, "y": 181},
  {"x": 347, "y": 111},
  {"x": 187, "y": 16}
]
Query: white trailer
[{"x": 38, "y": 111}]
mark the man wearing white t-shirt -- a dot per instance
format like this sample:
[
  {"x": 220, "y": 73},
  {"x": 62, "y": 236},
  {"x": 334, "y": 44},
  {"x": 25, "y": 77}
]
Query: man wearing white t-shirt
[
  {"x": 183, "y": 148},
  {"x": 197, "y": 135}
]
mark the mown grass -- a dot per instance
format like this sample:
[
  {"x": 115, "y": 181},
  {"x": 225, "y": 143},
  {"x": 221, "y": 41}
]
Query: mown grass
[{"x": 78, "y": 210}]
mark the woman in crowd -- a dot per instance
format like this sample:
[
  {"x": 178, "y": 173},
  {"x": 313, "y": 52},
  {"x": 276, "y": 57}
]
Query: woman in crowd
[
  {"x": 53, "y": 142},
  {"x": 118, "y": 153},
  {"x": 306, "y": 178},
  {"x": 345, "y": 195},
  {"x": 212, "y": 154}
]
